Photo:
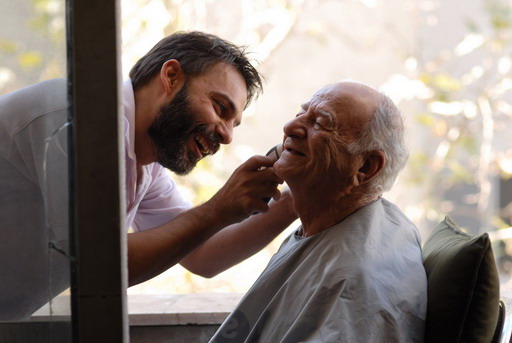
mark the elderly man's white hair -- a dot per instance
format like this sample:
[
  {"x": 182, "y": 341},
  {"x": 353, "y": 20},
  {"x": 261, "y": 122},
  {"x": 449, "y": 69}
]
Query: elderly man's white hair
[{"x": 385, "y": 132}]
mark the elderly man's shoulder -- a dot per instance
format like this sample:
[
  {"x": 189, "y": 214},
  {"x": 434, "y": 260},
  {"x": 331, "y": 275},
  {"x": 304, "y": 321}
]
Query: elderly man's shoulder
[{"x": 375, "y": 239}]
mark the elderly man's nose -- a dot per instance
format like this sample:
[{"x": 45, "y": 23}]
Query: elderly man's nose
[{"x": 294, "y": 127}]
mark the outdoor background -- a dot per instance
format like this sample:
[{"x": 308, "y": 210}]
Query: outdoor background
[{"x": 447, "y": 64}]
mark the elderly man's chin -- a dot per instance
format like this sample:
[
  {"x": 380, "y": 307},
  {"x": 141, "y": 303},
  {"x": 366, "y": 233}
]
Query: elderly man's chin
[{"x": 283, "y": 170}]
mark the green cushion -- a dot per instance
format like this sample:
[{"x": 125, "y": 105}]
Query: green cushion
[{"x": 463, "y": 286}]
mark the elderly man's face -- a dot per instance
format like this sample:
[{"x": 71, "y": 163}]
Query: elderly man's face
[{"x": 315, "y": 146}]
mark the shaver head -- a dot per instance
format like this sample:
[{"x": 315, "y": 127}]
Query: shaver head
[{"x": 275, "y": 152}]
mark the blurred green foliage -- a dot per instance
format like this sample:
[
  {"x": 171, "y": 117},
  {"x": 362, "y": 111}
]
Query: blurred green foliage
[{"x": 468, "y": 131}]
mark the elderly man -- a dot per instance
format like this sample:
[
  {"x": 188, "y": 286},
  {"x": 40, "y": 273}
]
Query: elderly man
[{"x": 353, "y": 271}]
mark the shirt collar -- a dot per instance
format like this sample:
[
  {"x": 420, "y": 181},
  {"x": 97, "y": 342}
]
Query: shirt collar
[{"x": 129, "y": 114}]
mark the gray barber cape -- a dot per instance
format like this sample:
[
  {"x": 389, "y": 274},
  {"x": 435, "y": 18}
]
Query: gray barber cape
[{"x": 361, "y": 280}]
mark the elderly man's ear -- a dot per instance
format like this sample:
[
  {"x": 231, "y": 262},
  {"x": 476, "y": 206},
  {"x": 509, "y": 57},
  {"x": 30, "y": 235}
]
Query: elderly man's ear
[{"x": 372, "y": 165}]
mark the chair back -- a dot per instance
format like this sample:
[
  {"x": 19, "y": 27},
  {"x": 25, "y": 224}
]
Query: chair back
[{"x": 463, "y": 288}]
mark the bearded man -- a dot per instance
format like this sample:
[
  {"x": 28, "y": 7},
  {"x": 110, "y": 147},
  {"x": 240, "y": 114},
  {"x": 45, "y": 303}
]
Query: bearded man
[{"x": 183, "y": 100}]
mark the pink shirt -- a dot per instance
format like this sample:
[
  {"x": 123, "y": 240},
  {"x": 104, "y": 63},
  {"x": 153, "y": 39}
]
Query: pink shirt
[{"x": 156, "y": 199}]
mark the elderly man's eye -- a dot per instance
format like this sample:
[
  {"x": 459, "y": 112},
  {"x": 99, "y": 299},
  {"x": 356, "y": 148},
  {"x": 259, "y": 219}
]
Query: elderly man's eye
[
  {"x": 324, "y": 120},
  {"x": 319, "y": 126},
  {"x": 323, "y": 123}
]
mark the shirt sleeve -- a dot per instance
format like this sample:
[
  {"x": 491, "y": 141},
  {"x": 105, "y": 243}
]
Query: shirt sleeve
[{"x": 162, "y": 202}]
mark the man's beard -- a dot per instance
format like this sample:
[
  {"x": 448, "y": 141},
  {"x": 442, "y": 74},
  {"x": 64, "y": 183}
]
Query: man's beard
[{"x": 172, "y": 129}]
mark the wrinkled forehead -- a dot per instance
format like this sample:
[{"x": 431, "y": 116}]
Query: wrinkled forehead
[{"x": 348, "y": 100}]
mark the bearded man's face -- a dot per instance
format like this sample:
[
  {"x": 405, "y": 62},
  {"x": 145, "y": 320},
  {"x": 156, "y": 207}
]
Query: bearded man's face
[{"x": 173, "y": 128}]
